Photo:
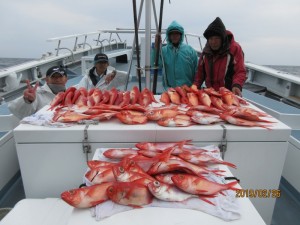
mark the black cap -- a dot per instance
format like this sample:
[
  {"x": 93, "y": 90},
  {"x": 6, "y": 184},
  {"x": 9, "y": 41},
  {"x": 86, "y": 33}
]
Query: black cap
[
  {"x": 100, "y": 57},
  {"x": 56, "y": 69},
  {"x": 216, "y": 28}
]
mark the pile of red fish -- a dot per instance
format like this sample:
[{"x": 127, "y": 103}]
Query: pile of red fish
[
  {"x": 180, "y": 106},
  {"x": 171, "y": 172}
]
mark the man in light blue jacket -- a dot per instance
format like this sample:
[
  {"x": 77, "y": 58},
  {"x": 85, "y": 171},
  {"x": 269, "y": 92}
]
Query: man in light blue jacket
[{"x": 180, "y": 59}]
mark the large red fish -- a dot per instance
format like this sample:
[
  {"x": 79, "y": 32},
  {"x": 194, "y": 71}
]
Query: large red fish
[
  {"x": 152, "y": 146},
  {"x": 86, "y": 197},
  {"x": 200, "y": 185},
  {"x": 203, "y": 159},
  {"x": 119, "y": 153},
  {"x": 168, "y": 192},
  {"x": 132, "y": 194}
]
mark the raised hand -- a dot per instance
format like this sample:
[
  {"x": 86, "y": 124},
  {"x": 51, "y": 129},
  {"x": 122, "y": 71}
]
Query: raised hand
[
  {"x": 110, "y": 77},
  {"x": 30, "y": 93}
]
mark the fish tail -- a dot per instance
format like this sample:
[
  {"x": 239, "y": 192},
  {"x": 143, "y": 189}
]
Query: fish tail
[
  {"x": 230, "y": 185},
  {"x": 206, "y": 200},
  {"x": 229, "y": 164},
  {"x": 218, "y": 172},
  {"x": 268, "y": 127}
]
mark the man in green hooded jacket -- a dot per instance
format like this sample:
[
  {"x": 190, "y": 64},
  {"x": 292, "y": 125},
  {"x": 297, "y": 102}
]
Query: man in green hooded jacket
[{"x": 180, "y": 60}]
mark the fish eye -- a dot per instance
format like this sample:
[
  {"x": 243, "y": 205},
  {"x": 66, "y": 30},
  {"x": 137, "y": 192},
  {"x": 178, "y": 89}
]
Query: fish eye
[
  {"x": 121, "y": 169},
  {"x": 110, "y": 189},
  {"x": 156, "y": 183}
]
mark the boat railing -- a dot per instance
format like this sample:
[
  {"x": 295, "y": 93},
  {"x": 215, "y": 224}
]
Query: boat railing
[
  {"x": 70, "y": 49},
  {"x": 285, "y": 113},
  {"x": 187, "y": 35},
  {"x": 280, "y": 83}
]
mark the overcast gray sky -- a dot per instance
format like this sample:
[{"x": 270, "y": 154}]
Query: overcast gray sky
[{"x": 268, "y": 30}]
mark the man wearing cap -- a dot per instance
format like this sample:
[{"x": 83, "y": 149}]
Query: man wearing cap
[
  {"x": 100, "y": 75},
  {"x": 180, "y": 60},
  {"x": 35, "y": 98},
  {"x": 221, "y": 63}
]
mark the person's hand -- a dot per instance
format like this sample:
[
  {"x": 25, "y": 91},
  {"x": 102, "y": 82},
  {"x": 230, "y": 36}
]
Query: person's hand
[
  {"x": 157, "y": 40},
  {"x": 237, "y": 91},
  {"x": 109, "y": 77},
  {"x": 29, "y": 94}
]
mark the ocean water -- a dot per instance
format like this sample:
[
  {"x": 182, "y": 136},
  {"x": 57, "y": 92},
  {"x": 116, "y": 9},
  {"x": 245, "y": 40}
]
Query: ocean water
[
  {"x": 7, "y": 62},
  {"x": 288, "y": 69}
]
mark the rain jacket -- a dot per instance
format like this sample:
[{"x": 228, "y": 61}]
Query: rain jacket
[
  {"x": 224, "y": 68},
  {"x": 88, "y": 81},
  {"x": 180, "y": 63},
  {"x": 21, "y": 109}
]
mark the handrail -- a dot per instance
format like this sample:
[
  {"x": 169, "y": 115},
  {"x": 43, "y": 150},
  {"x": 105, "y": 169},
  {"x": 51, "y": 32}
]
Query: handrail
[
  {"x": 72, "y": 36},
  {"x": 83, "y": 46},
  {"x": 116, "y": 31}
]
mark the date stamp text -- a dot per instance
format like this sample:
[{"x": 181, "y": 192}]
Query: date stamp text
[{"x": 258, "y": 193}]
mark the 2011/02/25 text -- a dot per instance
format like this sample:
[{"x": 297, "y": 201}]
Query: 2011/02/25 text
[{"x": 257, "y": 193}]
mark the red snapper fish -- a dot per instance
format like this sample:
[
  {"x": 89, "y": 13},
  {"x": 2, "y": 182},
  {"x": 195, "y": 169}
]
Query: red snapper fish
[
  {"x": 100, "y": 175},
  {"x": 132, "y": 194},
  {"x": 174, "y": 96},
  {"x": 92, "y": 164},
  {"x": 70, "y": 116},
  {"x": 212, "y": 91},
  {"x": 153, "y": 146},
  {"x": 57, "y": 100},
  {"x": 205, "y": 120},
  {"x": 127, "y": 118},
  {"x": 168, "y": 192},
  {"x": 247, "y": 114},
  {"x": 157, "y": 114},
  {"x": 177, "y": 164},
  {"x": 134, "y": 95},
  {"x": 183, "y": 95},
  {"x": 119, "y": 153},
  {"x": 204, "y": 98},
  {"x": 203, "y": 159},
  {"x": 193, "y": 98},
  {"x": 86, "y": 197},
  {"x": 174, "y": 122},
  {"x": 164, "y": 98},
  {"x": 205, "y": 108},
  {"x": 242, "y": 122},
  {"x": 200, "y": 185},
  {"x": 123, "y": 175}
]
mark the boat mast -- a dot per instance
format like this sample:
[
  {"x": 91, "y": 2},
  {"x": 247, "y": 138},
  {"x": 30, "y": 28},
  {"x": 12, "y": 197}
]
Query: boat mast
[{"x": 148, "y": 7}]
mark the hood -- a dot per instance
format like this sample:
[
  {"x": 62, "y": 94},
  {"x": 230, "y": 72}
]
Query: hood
[
  {"x": 228, "y": 40},
  {"x": 175, "y": 26},
  {"x": 216, "y": 28}
]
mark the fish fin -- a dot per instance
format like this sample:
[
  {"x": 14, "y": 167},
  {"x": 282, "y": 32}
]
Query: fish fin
[
  {"x": 135, "y": 206},
  {"x": 229, "y": 164},
  {"x": 230, "y": 185},
  {"x": 206, "y": 200}
]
